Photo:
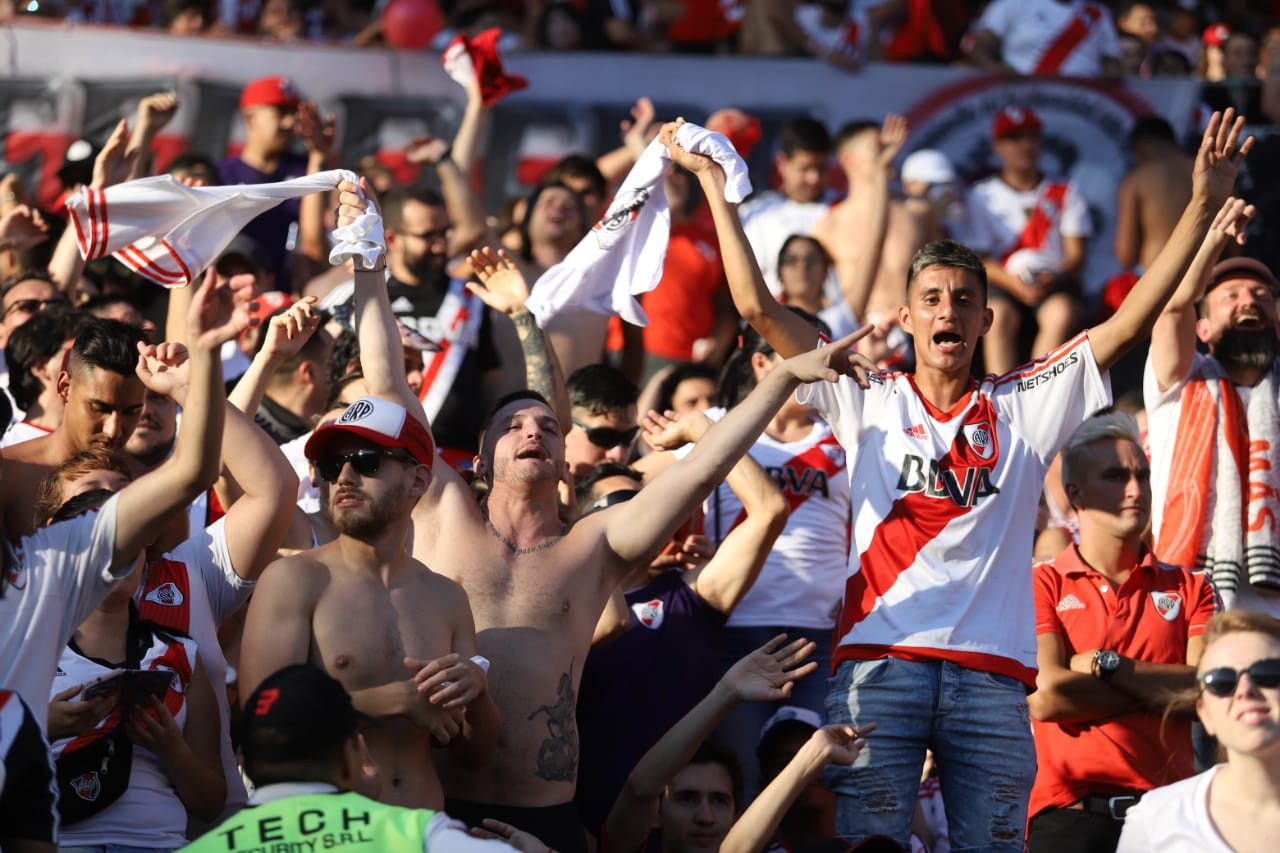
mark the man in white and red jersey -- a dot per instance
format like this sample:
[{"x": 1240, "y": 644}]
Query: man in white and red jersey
[
  {"x": 1072, "y": 38},
  {"x": 1032, "y": 232},
  {"x": 1117, "y": 631},
  {"x": 936, "y": 638}
]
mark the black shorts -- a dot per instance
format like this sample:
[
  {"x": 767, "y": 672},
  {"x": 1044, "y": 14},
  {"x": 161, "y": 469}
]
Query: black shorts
[{"x": 558, "y": 827}]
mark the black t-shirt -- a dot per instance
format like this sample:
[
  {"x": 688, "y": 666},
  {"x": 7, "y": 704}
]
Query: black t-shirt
[{"x": 460, "y": 419}]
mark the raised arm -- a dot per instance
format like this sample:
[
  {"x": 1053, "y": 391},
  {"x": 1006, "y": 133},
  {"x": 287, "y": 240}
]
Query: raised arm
[
  {"x": 635, "y": 531},
  {"x": 724, "y": 579},
  {"x": 753, "y": 832},
  {"x": 219, "y": 312},
  {"x": 286, "y": 334},
  {"x": 785, "y": 332},
  {"x": 503, "y": 288},
  {"x": 856, "y": 269},
  {"x": 154, "y": 112},
  {"x": 1173, "y": 337},
  {"x": 319, "y": 133},
  {"x": 765, "y": 675},
  {"x": 1213, "y": 177}
]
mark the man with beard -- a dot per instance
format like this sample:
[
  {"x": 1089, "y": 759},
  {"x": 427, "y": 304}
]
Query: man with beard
[
  {"x": 398, "y": 636},
  {"x": 458, "y": 391},
  {"x": 102, "y": 398},
  {"x": 1215, "y": 444}
]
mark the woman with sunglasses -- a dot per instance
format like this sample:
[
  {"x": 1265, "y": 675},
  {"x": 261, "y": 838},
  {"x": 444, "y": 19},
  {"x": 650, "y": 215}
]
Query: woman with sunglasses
[{"x": 1233, "y": 806}]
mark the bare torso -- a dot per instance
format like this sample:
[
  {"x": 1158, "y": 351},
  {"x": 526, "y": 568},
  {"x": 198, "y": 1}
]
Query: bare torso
[
  {"x": 1163, "y": 189},
  {"x": 906, "y": 233},
  {"x": 362, "y": 629},
  {"x": 535, "y": 614},
  {"x": 25, "y": 466}
]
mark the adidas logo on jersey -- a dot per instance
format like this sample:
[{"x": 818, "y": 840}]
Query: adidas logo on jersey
[
  {"x": 1070, "y": 602},
  {"x": 916, "y": 431}
]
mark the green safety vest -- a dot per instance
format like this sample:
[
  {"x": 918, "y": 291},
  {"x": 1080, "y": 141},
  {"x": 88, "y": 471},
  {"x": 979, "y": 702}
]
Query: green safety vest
[{"x": 317, "y": 822}]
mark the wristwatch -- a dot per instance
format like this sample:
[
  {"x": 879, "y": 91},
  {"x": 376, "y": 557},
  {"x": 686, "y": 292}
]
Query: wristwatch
[{"x": 1105, "y": 663}]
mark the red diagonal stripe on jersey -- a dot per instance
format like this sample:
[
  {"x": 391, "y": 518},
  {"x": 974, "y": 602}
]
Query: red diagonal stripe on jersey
[
  {"x": 1077, "y": 31},
  {"x": 1036, "y": 231},
  {"x": 912, "y": 523},
  {"x": 813, "y": 458}
]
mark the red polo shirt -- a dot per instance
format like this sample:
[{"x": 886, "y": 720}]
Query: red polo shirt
[{"x": 1149, "y": 619}]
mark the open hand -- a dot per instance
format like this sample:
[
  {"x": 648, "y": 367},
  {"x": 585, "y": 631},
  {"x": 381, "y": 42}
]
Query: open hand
[
  {"x": 893, "y": 135},
  {"x": 1219, "y": 158},
  {"x": 502, "y": 286},
  {"x": 22, "y": 227},
  {"x": 669, "y": 431},
  {"x": 220, "y": 310},
  {"x": 836, "y": 359},
  {"x": 1231, "y": 221},
  {"x": 318, "y": 133},
  {"x": 114, "y": 162},
  {"x": 771, "y": 671},
  {"x": 427, "y": 149}
]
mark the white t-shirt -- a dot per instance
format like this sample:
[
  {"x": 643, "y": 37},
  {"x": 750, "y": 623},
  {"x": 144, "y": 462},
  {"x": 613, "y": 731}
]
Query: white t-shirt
[
  {"x": 768, "y": 220},
  {"x": 945, "y": 505},
  {"x": 193, "y": 590},
  {"x": 997, "y": 215},
  {"x": 308, "y": 492},
  {"x": 149, "y": 813},
  {"x": 1029, "y": 29},
  {"x": 21, "y": 431},
  {"x": 1174, "y": 819},
  {"x": 839, "y": 318},
  {"x": 803, "y": 576},
  {"x": 57, "y": 576},
  {"x": 849, "y": 37}
]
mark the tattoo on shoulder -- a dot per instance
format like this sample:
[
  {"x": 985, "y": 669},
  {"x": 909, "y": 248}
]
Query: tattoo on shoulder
[{"x": 558, "y": 754}]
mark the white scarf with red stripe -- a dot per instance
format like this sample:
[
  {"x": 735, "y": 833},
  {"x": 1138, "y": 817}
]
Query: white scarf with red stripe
[{"x": 169, "y": 232}]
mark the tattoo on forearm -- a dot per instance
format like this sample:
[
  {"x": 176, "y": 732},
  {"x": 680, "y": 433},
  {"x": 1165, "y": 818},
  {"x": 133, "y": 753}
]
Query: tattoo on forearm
[
  {"x": 537, "y": 360},
  {"x": 558, "y": 754}
]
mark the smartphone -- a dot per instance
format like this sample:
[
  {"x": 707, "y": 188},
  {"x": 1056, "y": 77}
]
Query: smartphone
[
  {"x": 103, "y": 684},
  {"x": 139, "y": 685}
]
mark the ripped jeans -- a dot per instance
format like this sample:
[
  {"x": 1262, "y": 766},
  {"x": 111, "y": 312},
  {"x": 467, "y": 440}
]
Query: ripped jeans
[{"x": 975, "y": 722}]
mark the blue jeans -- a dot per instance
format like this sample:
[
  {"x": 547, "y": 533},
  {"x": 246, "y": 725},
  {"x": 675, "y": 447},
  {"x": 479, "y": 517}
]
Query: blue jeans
[
  {"x": 741, "y": 729},
  {"x": 978, "y": 727}
]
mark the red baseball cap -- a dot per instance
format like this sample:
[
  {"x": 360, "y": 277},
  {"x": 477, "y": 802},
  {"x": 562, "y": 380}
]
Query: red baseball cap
[
  {"x": 383, "y": 422},
  {"x": 269, "y": 92},
  {"x": 1015, "y": 119},
  {"x": 1215, "y": 35}
]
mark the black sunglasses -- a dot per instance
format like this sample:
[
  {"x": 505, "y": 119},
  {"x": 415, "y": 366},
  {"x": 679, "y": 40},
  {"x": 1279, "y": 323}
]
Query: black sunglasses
[
  {"x": 1223, "y": 680},
  {"x": 31, "y": 306},
  {"x": 608, "y": 437},
  {"x": 366, "y": 462}
]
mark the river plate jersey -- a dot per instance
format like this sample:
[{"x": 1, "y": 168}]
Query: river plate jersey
[{"x": 944, "y": 507}]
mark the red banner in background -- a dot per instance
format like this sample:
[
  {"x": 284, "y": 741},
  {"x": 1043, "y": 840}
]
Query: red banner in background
[{"x": 68, "y": 82}]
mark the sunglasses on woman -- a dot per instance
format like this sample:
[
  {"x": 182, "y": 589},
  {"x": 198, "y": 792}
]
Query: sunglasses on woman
[
  {"x": 1223, "y": 680},
  {"x": 366, "y": 463}
]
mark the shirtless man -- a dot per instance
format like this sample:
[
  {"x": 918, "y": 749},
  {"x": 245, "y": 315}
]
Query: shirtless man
[
  {"x": 103, "y": 400},
  {"x": 398, "y": 636},
  {"x": 1152, "y": 193},
  {"x": 866, "y": 153},
  {"x": 538, "y": 585}
]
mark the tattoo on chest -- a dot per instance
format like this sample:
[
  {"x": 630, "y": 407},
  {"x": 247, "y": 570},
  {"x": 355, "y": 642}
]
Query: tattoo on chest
[
  {"x": 532, "y": 549},
  {"x": 558, "y": 754}
]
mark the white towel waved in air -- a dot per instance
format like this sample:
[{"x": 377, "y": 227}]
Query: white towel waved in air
[
  {"x": 169, "y": 232},
  {"x": 621, "y": 257}
]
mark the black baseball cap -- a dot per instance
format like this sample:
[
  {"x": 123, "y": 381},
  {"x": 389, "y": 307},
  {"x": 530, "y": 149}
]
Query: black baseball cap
[{"x": 295, "y": 713}]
